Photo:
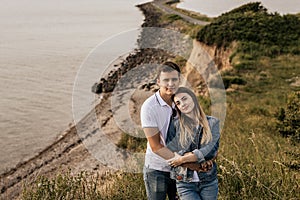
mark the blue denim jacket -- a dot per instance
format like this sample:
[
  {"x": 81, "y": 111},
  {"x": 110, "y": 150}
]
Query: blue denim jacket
[{"x": 203, "y": 152}]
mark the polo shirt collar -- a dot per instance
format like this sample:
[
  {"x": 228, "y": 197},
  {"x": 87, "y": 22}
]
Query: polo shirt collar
[{"x": 161, "y": 101}]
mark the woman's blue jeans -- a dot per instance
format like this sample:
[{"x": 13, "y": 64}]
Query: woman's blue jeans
[{"x": 198, "y": 190}]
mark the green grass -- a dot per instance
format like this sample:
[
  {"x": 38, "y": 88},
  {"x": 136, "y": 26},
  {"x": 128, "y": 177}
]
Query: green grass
[
  {"x": 172, "y": 17},
  {"x": 86, "y": 186},
  {"x": 63, "y": 186},
  {"x": 255, "y": 161}
]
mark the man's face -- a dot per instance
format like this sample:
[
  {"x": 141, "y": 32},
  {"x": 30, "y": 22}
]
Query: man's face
[{"x": 168, "y": 82}]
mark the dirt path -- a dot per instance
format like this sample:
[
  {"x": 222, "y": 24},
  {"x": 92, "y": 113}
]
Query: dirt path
[{"x": 160, "y": 4}]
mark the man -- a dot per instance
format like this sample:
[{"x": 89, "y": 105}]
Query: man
[{"x": 156, "y": 112}]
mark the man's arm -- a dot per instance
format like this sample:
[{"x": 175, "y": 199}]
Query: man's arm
[{"x": 154, "y": 139}]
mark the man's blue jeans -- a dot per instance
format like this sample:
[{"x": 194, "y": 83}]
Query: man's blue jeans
[
  {"x": 159, "y": 184},
  {"x": 197, "y": 190}
]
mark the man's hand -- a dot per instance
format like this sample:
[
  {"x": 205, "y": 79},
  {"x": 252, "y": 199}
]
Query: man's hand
[
  {"x": 206, "y": 166},
  {"x": 176, "y": 160}
]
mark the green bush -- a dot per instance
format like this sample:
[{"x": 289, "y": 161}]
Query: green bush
[
  {"x": 245, "y": 65},
  {"x": 289, "y": 118},
  {"x": 233, "y": 80}
]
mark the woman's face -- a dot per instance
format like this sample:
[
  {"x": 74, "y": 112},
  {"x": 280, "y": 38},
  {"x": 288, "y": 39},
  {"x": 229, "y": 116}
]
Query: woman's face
[{"x": 184, "y": 103}]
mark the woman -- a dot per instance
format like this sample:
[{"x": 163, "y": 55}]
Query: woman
[{"x": 197, "y": 140}]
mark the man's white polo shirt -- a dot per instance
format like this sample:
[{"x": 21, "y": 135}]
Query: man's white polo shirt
[{"x": 155, "y": 112}]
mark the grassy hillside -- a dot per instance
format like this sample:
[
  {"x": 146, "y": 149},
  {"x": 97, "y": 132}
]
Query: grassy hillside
[{"x": 256, "y": 161}]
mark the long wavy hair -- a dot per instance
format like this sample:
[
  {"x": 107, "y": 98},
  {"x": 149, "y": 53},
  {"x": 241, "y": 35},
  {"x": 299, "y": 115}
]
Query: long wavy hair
[{"x": 188, "y": 125}]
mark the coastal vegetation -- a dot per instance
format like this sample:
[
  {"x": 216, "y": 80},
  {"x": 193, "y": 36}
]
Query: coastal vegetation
[
  {"x": 259, "y": 156},
  {"x": 256, "y": 32}
]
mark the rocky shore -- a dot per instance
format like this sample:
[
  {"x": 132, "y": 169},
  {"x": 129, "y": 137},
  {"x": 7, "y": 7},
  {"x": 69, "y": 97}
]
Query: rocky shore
[{"x": 141, "y": 56}]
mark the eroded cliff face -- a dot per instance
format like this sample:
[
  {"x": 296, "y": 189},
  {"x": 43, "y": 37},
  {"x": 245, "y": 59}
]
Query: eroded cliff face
[
  {"x": 220, "y": 56},
  {"x": 204, "y": 65}
]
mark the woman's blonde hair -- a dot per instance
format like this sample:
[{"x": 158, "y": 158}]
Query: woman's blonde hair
[{"x": 188, "y": 125}]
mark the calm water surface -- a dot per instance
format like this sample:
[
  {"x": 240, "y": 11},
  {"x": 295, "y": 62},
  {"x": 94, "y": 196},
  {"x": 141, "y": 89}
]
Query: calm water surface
[
  {"x": 214, "y": 8},
  {"x": 43, "y": 44}
]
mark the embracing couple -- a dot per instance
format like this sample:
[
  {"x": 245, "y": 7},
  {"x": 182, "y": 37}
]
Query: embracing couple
[{"x": 182, "y": 142}]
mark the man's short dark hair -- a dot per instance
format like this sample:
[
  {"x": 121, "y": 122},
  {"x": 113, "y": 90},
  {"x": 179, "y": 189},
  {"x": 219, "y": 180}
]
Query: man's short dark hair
[{"x": 168, "y": 66}]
